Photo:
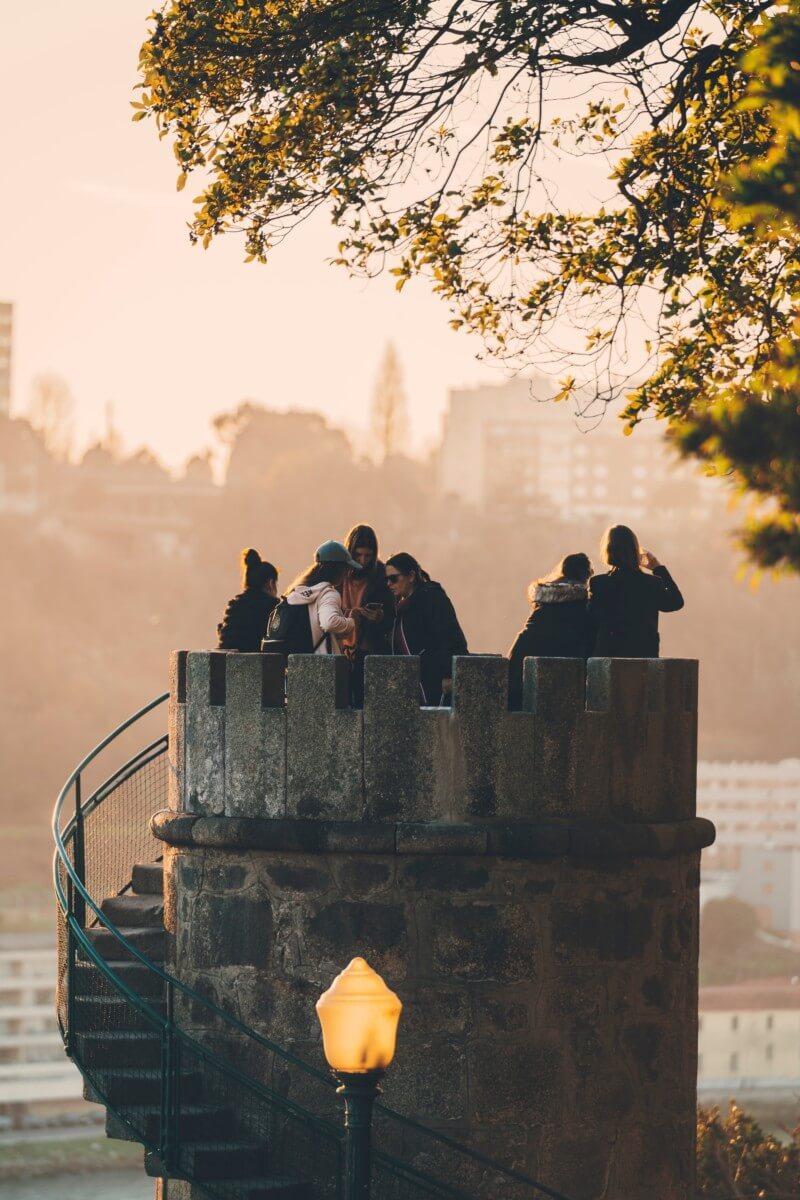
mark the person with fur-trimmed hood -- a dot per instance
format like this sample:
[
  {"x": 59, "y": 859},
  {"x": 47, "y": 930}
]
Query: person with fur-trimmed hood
[{"x": 559, "y": 625}]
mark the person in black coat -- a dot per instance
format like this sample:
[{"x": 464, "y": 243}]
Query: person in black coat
[
  {"x": 559, "y": 625},
  {"x": 426, "y": 624},
  {"x": 245, "y": 621},
  {"x": 624, "y": 603}
]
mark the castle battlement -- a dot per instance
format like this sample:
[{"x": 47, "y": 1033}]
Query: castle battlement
[
  {"x": 526, "y": 881},
  {"x": 615, "y": 740}
]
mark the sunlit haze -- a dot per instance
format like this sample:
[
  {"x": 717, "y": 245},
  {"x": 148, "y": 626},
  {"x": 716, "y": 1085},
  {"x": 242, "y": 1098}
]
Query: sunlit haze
[{"x": 109, "y": 294}]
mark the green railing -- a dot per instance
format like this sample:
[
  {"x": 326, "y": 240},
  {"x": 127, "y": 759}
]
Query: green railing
[{"x": 187, "y": 1094}]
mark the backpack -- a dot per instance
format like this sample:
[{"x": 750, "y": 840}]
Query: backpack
[{"x": 289, "y": 630}]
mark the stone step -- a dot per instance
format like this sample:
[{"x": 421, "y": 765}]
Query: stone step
[
  {"x": 148, "y": 879},
  {"x": 277, "y": 1189},
  {"x": 140, "y": 1088},
  {"x": 149, "y": 942},
  {"x": 195, "y": 1122},
  {"x": 274, "y": 1189},
  {"x": 104, "y": 1012},
  {"x": 214, "y": 1161},
  {"x": 133, "y": 974},
  {"x": 119, "y": 1049},
  {"x": 132, "y": 911}
]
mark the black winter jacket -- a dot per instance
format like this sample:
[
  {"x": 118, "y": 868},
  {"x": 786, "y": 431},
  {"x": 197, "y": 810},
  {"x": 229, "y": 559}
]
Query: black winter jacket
[
  {"x": 558, "y": 627},
  {"x": 427, "y": 624},
  {"x": 245, "y": 621},
  {"x": 624, "y": 607}
]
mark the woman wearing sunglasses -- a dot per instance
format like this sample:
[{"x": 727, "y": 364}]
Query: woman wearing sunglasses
[{"x": 426, "y": 624}]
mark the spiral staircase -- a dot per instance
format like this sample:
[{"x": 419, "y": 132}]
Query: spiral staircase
[{"x": 211, "y": 1100}]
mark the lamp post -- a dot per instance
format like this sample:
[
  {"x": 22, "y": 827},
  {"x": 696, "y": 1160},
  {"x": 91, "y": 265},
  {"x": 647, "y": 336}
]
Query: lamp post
[{"x": 359, "y": 1016}]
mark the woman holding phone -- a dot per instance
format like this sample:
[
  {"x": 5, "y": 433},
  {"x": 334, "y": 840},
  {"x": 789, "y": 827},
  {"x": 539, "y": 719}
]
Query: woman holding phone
[{"x": 366, "y": 598}]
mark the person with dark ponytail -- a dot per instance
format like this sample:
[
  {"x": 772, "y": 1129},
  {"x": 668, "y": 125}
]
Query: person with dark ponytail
[
  {"x": 559, "y": 624},
  {"x": 245, "y": 621},
  {"x": 426, "y": 624}
]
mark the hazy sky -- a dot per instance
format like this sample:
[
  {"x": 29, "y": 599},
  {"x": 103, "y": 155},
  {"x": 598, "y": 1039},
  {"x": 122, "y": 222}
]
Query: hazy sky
[{"x": 108, "y": 292}]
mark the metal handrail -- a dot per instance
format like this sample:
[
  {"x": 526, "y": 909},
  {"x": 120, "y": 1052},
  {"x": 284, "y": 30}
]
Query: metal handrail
[{"x": 76, "y": 883}]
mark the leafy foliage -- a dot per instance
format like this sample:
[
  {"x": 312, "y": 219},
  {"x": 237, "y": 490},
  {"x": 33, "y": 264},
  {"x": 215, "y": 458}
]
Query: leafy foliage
[
  {"x": 735, "y": 1158},
  {"x": 435, "y": 131},
  {"x": 751, "y": 432}
]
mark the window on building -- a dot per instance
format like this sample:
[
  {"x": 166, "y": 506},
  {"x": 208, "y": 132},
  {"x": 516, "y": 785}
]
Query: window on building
[
  {"x": 770, "y": 1021},
  {"x": 768, "y": 1052},
  {"x": 734, "y": 1023},
  {"x": 733, "y": 1062}
]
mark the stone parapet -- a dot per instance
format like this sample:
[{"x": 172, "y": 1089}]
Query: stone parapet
[
  {"x": 527, "y": 882},
  {"x": 614, "y": 740}
]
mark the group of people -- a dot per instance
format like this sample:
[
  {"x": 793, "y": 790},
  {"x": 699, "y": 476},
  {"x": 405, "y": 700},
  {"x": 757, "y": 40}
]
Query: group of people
[{"x": 348, "y": 601}]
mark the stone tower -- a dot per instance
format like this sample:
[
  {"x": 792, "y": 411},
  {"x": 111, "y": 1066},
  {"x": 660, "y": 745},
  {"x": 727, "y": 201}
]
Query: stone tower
[{"x": 527, "y": 882}]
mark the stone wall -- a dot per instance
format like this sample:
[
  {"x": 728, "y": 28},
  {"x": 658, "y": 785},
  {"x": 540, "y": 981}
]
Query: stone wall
[{"x": 527, "y": 882}]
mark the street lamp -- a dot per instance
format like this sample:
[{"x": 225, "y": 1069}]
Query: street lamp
[{"x": 359, "y": 1016}]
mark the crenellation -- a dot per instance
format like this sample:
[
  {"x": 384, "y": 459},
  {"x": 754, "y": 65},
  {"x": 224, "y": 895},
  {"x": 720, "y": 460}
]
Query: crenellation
[
  {"x": 398, "y": 742},
  {"x": 554, "y": 692},
  {"x": 527, "y": 881},
  {"x": 479, "y": 712},
  {"x": 614, "y": 740},
  {"x": 176, "y": 732},
  {"x": 205, "y": 735},
  {"x": 324, "y": 741}
]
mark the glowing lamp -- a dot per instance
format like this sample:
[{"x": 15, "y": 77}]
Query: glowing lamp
[{"x": 359, "y": 1016}]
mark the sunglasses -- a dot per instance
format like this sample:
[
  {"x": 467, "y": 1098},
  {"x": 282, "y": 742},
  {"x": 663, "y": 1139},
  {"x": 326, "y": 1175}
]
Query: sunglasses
[{"x": 392, "y": 578}]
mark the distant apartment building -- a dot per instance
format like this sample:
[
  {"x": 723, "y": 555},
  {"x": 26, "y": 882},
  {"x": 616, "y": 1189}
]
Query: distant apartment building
[
  {"x": 6, "y": 332},
  {"x": 756, "y": 810},
  {"x": 751, "y": 804},
  {"x": 749, "y": 1038},
  {"x": 511, "y": 451},
  {"x": 36, "y": 1081}
]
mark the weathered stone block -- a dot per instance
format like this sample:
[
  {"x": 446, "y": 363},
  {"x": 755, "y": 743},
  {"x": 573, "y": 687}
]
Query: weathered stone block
[
  {"x": 620, "y": 687},
  {"x": 446, "y": 787},
  {"x": 361, "y": 876},
  {"x": 324, "y": 743},
  {"x": 480, "y": 704},
  {"x": 255, "y": 749},
  {"x": 601, "y": 931},
  {"x": 483, "y": 941},
  {"x": 345, "y": 929},
  {"x": 176, "y": 732},
  {"x": 671, "y": 747},
  {"x": 444, "y": 874},
  {"x": 431, "y": 1080},
  {"x": 398, "y": 756},
  {"x": 205, "y": 736},
  {"x": 440, "y": 839},
  {"x": 230, "y": 931},
  {"x": 515, "y": 1082},
  {"x": 553, "y": 691}
]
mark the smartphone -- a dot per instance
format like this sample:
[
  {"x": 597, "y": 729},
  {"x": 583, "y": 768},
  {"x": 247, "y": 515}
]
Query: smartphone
[{"x": 373, "y": 606}]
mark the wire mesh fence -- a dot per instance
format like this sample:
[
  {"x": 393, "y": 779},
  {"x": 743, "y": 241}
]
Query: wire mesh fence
[
  {"x": 212, "y": 1100},
  {"x": 116, "y": 824}
]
